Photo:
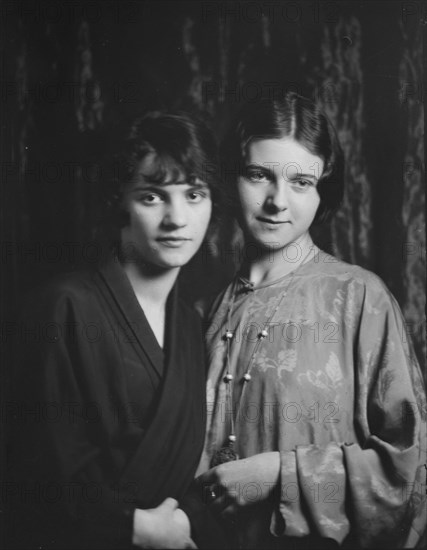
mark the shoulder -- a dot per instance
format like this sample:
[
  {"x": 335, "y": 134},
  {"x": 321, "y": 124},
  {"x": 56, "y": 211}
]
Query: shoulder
[
  {"x": 341, "y": 274},
  {"x": 69, "y": 291}
]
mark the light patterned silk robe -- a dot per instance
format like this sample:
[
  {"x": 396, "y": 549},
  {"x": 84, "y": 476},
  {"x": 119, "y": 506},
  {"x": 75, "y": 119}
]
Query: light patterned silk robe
[{"x": 334, "y": 387}]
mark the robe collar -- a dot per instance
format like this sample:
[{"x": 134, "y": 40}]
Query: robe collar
[
  {"x": 124, "y": 298},
  {"x": 173, "y": 440}
]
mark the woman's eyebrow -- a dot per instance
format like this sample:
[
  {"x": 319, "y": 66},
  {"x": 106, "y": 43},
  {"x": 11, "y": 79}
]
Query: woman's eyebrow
[
  {"x": 157, "y": 187},
  {"x": 197, "y": 183},
  {"x": 269, "y": 169},
  {"x": 146, "y": 187},
  {"x": 263, "y": 167},
  {"x": 302, "y": 175}
]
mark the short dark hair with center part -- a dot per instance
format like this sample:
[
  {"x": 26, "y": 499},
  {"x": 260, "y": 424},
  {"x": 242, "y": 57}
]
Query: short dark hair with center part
[
  {"x": 184, "y": 149},
  {"x": 294, "y": 117}
]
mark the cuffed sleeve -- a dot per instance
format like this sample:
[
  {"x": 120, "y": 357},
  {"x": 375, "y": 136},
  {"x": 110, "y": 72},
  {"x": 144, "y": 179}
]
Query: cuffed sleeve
[{"x": 372, "y": 487}]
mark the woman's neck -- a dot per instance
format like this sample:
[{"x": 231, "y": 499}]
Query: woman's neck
[
  {"x": 152, "y": 287},
  {"x": 275, "y": 264},
  {"x": 150, "y": 284}
]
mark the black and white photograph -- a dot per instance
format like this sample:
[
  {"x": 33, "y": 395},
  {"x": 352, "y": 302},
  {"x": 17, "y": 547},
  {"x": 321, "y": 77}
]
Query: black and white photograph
[{"x": 213, "y": 327}]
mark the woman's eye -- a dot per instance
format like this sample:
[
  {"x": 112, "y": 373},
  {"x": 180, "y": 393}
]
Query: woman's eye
[
  {"x": 257, "y": 175},
  {"x": 150, "y": 198},
  {"x": 195, "y": 196},
  {"x": 302, "y": 184}
]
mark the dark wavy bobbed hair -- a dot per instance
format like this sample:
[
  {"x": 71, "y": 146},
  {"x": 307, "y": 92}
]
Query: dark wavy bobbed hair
[
  {"x": 294, "y": 117},
  {"x": 185, "y": 149}
]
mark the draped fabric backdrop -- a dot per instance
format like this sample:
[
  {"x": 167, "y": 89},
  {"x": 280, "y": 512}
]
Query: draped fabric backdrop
[{"x": 73, "y": 71}]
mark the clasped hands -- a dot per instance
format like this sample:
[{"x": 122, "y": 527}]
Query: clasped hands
[
  {"x": 228, "y": 487},
  {"x": 240, "y": 483}
]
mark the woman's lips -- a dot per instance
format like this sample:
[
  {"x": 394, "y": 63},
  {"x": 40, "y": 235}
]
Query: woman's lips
[
  {"x": 172, "y": 242},
  {"x": 272, "y": 221}
]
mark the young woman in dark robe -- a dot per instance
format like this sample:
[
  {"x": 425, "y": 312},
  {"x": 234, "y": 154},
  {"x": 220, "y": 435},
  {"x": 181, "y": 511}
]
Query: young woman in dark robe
[{"x": 109, "y": 410}]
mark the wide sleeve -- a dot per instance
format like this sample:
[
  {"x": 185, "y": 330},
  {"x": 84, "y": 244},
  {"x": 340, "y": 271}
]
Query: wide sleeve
[
  {"x": 371, "y": 491},
  {"x": 64, "y": 489}
]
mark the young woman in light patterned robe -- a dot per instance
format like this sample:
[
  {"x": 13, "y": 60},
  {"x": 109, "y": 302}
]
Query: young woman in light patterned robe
[{"x": 321, "y": 392}]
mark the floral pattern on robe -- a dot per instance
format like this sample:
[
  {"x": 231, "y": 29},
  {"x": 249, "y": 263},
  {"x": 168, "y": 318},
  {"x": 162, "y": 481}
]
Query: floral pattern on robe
[{"x": 336, "y": 389}]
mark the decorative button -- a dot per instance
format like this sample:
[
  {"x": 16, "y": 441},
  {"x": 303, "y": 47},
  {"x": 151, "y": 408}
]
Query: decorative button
[
  {"x": 263, "y": 333},
  {"x": 228, "y": 377},
  {"x": 247, "y": 377},
  {"x": 228, "y": 335},
  {"x": 232, "y": 438}
]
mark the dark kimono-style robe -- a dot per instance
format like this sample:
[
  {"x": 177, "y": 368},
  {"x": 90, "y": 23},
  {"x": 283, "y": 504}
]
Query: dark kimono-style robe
[{"x": 103, "y": 420}]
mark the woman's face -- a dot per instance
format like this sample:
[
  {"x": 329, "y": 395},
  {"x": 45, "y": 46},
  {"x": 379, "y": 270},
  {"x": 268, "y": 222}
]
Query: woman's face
[
  {"x": 167, "y": 222},
  {"x": 278, "y": 192}
]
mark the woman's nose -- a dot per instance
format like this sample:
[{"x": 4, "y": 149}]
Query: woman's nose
[
  {"x": 277, "y": 198},
  {"x": 175, "y": 214}
]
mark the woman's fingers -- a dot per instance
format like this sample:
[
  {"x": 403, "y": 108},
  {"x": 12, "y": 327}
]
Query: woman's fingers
[
  {"x": 207, "y": 477},
  {"x": 169, "y": 504},
  {"x": 224, "y": 498},
  {"x": 220, "y": 503}
]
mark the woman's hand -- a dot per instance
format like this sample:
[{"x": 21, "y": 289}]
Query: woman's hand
[
  {"x": 241, "y": 483},
  {"x": 163, "y": 527}
]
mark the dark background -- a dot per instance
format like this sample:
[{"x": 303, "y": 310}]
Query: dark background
[{"x": 72, "y": 71}]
